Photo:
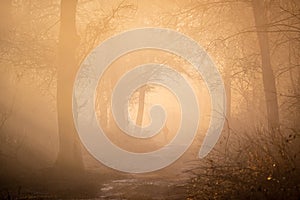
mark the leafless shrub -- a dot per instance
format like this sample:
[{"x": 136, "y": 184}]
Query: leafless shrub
[{"x": 257, "y": 165}]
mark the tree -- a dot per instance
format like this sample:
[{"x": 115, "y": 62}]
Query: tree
[
  {"x": 261, "y": 22},
  {"x": 5, "y": 16},
  {"x": 141, "y": 105},
  {"x": 69, "y": 155}
]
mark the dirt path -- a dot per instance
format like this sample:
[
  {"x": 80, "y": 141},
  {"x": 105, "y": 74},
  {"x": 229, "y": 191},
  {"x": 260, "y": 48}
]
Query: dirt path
[{"x": 143, "y": 188}]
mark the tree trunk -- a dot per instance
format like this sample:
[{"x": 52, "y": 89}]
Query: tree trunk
[
  {"x": 5, "y": 17},
  {"x": 227, "y": 82},
  {"x": 69, "y": 157},
  {"x": 261, "y": 23},
  {"x": 141, "y": 106}
]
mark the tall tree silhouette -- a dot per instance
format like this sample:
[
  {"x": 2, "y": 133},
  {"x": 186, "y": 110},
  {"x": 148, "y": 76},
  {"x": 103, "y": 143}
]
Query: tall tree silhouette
[
  {"x": 261, "y": 22},
  {"x": 69, "y": 156}
]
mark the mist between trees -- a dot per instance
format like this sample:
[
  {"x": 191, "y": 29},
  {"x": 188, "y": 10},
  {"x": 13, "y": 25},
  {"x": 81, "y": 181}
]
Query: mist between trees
[{"x": 255, "y": 46}]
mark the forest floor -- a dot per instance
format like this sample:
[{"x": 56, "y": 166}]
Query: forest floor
[
  {"x": 94, "y": 185},
  {"x": 97, "y": 182},
  {"x": 143, "y": 188}
]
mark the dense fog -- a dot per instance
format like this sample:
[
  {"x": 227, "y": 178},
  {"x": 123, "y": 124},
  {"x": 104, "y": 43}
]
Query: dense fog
[{"x": 254, "y": 44}]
